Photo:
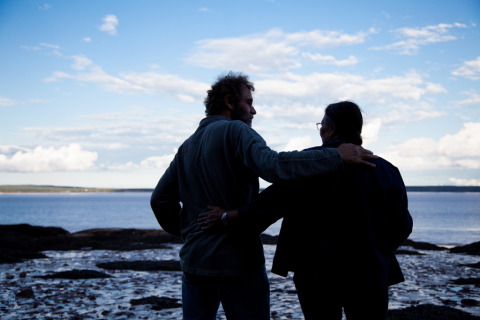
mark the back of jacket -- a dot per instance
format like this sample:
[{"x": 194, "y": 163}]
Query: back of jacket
[
  {"x": 219, "y": 165},
  {"x": 345, "y": 225}
]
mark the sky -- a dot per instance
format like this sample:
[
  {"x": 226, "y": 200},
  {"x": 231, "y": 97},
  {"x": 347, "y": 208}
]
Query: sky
[{"x": 101, "y": 94}]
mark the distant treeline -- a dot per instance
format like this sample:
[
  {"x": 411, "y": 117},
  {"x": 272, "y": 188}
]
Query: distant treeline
[
  {"x": 59, "y": 189},
  {"x": 56, "y": 189}
]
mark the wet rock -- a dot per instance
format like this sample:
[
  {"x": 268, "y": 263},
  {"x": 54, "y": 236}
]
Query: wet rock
[
  {"x": 14, "y": 256},
  {"x": 164, "y": 265},
  {"x": 422, "y": 245},
  {"x": 472, "y": 249},
  {"x": 76, "y": 274},
  {"x": 409, "y": 252},
  {"x": 462, "y": 281},
  {"x": 472, "y": 265},
  {"x": 33, "y": 231},
  {"x": 268, "y": 239},
  {"x": 23, "y": 274},
  {"x": 9, "y": 276},
  {"x": 25, "y": 293},
  {"x": 429, "y": 312},
  {"x": 158, "y": 303},
  {"x": 469, "y": 302}
]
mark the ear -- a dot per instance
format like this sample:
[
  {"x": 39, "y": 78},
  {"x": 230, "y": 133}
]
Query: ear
[
  {"x": 227, "y": 102},
  {"x": 333, "y": 129}
]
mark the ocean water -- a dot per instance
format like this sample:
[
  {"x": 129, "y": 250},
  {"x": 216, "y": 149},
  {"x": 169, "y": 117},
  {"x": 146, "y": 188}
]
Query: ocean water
[{"x": 441, "y": 218}]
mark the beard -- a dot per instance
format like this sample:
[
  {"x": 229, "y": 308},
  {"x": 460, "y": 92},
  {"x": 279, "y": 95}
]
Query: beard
[{"x": 242, "y": 115}]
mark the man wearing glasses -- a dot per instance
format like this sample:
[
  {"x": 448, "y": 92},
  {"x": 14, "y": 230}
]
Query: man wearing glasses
[{"x": 220, "y": 165}]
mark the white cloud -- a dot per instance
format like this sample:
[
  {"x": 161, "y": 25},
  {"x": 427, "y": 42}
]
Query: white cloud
[
  {"x": 426, "y": 153},
  {"x": 159, "y": 163},
  {"x": 402, "y": 112},
  {"x": 204, "y": 10},
  {"x": 54, "y": 46},
  {"x": 134, "y": 82},
  {"x": 298, "y": 143},
  {"x": 37, "y": 101},
  {"x": 117, "y": 146},
  {"x": 370, "y": 131},
  {"x": 473, "y": 100},
  {"x": 470, "y": 69},
  {"x": 273, "y": 50},
  {"x": 329, "y": 87},
  {"x": 4, "y": 102},
  {"x": 87, "y": 39},
  {"x": 110, "y": 24},
  {"x": 465, "y": 182},
  {"x": 45, "y": 7},
  {"x": 320, "y": 59},
  {"x": 80, "y": 62},
  {"x": 413, "y": 38},
  {"x": 67, "y": 158}
]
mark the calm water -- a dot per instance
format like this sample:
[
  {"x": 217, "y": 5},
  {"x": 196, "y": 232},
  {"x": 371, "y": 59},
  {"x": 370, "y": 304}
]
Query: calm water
[{"x": 442, "y": 218}]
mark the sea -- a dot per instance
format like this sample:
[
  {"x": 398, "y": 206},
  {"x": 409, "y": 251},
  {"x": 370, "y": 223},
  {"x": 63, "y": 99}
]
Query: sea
[{"x": 438, "y": 217}]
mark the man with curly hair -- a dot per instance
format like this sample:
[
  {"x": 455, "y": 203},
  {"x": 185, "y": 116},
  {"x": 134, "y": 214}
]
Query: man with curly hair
[{"x": 219, "y": 165}]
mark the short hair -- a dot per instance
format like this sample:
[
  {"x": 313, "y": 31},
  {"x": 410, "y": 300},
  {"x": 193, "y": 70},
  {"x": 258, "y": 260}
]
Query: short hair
[
  {"x": 230, "y": 84},
  {"x": 348, "y": 120}
]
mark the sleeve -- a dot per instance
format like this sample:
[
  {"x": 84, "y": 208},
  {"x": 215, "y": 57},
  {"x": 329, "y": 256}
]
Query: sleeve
[
  {"x": 270, "y": 206},
  {"x": 274, "y": 166},
  {"x": 400, "y": 222},
  {"x": 165, "y": 201}
]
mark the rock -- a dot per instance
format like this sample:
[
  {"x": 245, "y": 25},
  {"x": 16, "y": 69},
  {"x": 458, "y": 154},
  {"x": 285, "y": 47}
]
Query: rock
[
  {"x": 422, "y": 245},
  {"x": 9, "y": 276},
  {"x": 268, "y": 239},
  {"x": 430, "y": 312},
  {"x": 472, "y": 265},
  {"x": 33, "y": 231},
  {"x": 163, "y": 265},
  {"x": 25, "y": 293},
  {"x": 104, "y": 313},
  {"x": 158, "y": 303},
  {"x": 409, "y": 252},
  {"x": 469, "y": 302},
  {"x": 15, "y": 256},
  {"x": 23, "y": 274},
  {"x": 76, "y": 274},
  {"x": 462, "y": 281},
  {"x": 471, "y": 249}
]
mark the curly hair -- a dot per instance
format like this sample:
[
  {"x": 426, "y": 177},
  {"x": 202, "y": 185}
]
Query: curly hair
[{"x": 230, "y": 84}]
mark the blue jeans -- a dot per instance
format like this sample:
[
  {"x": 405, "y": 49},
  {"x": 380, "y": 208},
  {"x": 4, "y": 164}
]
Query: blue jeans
[{"x": 243, "y": 297}]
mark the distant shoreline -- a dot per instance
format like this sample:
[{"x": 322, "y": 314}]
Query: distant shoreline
[{"x": 65, "y": 189}]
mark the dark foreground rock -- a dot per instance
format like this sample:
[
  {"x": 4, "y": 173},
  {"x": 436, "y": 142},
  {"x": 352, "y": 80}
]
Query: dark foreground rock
[
  {"x": 164, "y": 265},
  {"x": 158, "y": 303},
  {"x": 23, "y": 241},
  {"x": 76, "y": 274},
  {"x": 472, "y": 249},
  {"x": 422, "y": 245},
  {"x": 409, "y": 252},
  {"x": 25, "y": 293},
  {"x": 461, "y": 281},
  {"x": 472, "y": 265},
  {"x": 429, "y": 312}
]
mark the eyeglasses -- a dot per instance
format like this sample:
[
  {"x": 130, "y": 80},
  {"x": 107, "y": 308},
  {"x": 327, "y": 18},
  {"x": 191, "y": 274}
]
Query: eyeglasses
[
  {"x": 319, "y": 125},
  {"x": 249, "y": 102}
]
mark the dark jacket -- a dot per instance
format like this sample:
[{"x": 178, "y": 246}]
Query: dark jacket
[
  {"x": 219, "y": 165},
  {"x": 346, "y": 225}
]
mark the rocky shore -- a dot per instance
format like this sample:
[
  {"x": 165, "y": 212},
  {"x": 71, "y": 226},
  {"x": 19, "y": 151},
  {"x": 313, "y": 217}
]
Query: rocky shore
[{"x": 48, "y": 273}]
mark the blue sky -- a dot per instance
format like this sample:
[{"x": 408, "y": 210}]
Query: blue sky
[{"x": 101, "y": 94}]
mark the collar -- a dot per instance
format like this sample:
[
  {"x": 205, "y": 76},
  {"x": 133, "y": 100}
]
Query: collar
[{"x": 210, "y": 119}]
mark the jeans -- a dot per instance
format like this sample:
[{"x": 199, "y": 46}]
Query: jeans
[
  {"x": 242, "y": 297},
  {"x": 324, "y": 300}
]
